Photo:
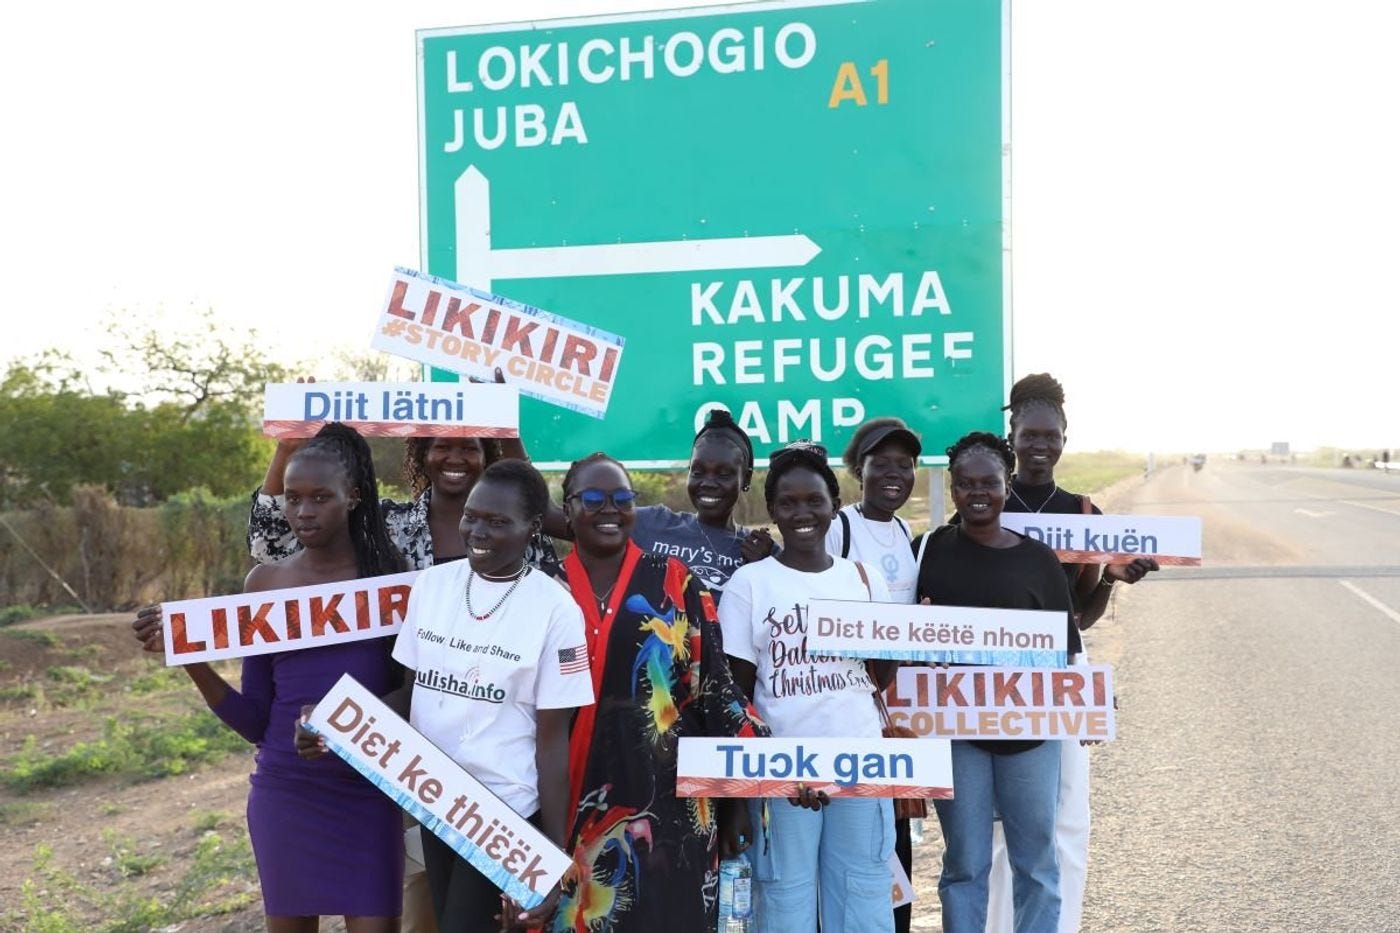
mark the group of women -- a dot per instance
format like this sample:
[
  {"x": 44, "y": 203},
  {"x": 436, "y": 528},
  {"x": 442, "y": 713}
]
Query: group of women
[{"x": 608, "y": 657}]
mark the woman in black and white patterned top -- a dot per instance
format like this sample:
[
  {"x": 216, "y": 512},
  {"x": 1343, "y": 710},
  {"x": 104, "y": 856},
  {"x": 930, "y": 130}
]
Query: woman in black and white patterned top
[{"x": 441, "y": 472}]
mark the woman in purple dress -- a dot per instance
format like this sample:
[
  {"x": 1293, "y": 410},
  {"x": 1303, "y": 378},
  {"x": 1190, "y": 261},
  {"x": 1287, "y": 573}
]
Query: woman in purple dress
[{"x": 327, "y": 842}]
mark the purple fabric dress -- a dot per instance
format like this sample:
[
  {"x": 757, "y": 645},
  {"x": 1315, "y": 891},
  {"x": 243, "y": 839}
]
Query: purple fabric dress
[{"x": 327, "y": 842}]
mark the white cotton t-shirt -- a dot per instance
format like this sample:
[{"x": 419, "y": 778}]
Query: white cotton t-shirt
[
  {"x": 479, "y": 683},
  {"x": 881, "y": 546},
  {"x": 764, "y": 620}
]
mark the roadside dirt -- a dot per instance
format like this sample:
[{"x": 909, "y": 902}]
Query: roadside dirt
[{"x": 120, "y": 839}]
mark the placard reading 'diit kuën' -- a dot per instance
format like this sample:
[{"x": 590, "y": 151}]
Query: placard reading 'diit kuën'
[{"x": 1172, "y": 540}]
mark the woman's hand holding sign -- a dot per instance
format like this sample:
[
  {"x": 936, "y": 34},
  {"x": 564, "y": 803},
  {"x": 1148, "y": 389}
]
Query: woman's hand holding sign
[
  {"x": 514, "y": 917},
  {"x": 149, "y": 629},
  {"x": 309, "y": 744}
]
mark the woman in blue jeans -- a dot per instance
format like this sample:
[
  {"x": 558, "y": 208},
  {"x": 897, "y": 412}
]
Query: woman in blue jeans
[
  {"x": 817, "y": 851},
  {"x": 980, "y": 564}
]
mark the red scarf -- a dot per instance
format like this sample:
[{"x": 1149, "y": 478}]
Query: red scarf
[{"x": 597, "y": 628}]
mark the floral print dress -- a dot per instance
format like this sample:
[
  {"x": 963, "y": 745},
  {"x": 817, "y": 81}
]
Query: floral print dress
[{"x": 645, "y": 859}]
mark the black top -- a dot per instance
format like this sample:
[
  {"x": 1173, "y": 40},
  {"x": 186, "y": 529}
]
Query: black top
[
  {"x": 1055, "y": 502},
  {"x": 957, "y": 571}
]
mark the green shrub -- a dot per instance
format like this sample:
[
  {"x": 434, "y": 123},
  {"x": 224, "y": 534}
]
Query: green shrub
[{"x": 140, "y": 750}]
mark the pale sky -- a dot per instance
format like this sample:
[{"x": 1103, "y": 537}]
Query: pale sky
[{"x": 1204, "y": 204}]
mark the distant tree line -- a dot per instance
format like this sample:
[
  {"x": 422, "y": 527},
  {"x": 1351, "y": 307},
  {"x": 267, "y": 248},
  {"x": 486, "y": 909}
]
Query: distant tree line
[{"x": 172, "y": 412}]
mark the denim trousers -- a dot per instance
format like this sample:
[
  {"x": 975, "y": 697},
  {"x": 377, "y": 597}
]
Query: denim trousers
[
  {"x": 1024, "y": 789},
  {"x": 835, "y": 860},
  {"x": 1071, "y": 845}
]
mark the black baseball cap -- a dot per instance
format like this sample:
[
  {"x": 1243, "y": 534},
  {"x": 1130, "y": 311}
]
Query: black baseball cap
[{"x": 888, "y": 432}]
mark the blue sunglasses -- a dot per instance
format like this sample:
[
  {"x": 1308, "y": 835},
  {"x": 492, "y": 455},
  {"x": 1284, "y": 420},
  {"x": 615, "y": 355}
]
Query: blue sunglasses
[{"x": 594, "y": 499}]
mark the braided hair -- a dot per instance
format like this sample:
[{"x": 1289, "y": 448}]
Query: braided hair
[
  {"x": 375, "y": 553},
  {"x": 1038, "y": 390},
  {"x": 719, "y": 423},
  {"x": 415, "y": 458},
  {"x": 596, "y": 457},
  {"x": 804, "y": 454},
  {"x": 985, "y": 442}
]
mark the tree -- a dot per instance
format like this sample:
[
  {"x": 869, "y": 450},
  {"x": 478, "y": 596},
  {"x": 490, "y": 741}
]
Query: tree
[
  {"x": 180, "y": 410},
  {"x": 195, "y": 366}
]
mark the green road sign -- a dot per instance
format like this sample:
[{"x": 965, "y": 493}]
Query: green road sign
[{"x": 794, "y": 210}]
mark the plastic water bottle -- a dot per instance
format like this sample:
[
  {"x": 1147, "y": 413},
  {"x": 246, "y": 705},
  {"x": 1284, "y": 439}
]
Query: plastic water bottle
[{"x": 735, "y": 894}]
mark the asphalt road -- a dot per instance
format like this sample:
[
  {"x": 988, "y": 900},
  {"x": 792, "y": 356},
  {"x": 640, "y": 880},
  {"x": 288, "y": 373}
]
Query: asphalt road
[{"x": 1255, "y": 784}]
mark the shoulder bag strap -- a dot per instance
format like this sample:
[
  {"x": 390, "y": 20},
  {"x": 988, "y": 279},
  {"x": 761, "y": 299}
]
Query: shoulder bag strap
[
  {"x": 860, "y": 569},
  {"x": 845, "y": 534}
]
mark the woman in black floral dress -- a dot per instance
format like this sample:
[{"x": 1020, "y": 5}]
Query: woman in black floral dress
[{"x": 441, "y": 471}]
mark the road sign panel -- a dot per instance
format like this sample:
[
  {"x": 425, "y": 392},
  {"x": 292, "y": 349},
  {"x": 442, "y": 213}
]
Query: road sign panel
[{"x": 794, "y": 210}]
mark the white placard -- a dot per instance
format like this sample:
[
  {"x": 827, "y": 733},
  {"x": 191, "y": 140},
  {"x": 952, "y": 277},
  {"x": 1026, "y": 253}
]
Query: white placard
[
  {"x": 1173, "y": 540},
  {"x": 451, "y": 326},
  {"x": 1017, "y": 703},
  {"x": 448, "y": 802},
  {"x": 219, "y": 627},
  {"x": 942, "y": 634},
  {"x": 774, "y": 767},
  {"x": 393, "y": 409}
]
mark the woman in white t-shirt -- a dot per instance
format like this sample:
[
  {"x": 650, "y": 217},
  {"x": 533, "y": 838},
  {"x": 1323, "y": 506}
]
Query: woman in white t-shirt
[
  {"x": 497, "y": 659},
  {"x": 882, "y": 455},
  {"x": 829, "y": 852}
]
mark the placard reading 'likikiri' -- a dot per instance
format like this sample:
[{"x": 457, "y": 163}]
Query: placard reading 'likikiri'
[
  {"x": 1004, "y": 702},
  {"x": 216, "y": 628}
]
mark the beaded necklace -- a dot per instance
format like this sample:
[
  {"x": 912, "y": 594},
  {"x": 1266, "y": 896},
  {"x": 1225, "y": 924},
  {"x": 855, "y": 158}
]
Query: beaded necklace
[{"x": 515, "y": 582}]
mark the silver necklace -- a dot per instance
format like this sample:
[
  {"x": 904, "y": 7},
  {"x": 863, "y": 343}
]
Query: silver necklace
[
  {"x": 870, "y": 529},
  {"x": 603, "y": 600},
  {"x": 1026, "y": 505},
  {"x": 472, "y": 574},
  {"x": 734, "y": 535}
]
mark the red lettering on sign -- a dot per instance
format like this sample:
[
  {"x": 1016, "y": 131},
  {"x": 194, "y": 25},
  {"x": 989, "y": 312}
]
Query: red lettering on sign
[
  {"x": 327, "y": 613},
  {"x": 179, "y": 637},
  {"x": 251, "y": 623},
  {"x": 393, "y": 603},
  {"x": 578, "y": 350}
]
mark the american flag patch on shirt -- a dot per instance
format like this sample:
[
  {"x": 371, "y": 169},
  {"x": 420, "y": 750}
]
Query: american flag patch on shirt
[{"x": 573, "y": 660}]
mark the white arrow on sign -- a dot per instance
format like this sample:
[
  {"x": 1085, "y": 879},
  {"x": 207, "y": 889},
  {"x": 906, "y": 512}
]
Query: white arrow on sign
[{"x": 478, "y": 265}]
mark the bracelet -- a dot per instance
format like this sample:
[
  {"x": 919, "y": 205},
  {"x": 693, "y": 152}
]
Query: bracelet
[{"x": 1106, "y": 581}]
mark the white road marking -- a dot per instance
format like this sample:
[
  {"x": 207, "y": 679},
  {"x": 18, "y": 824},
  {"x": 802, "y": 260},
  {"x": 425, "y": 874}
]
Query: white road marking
[
  {"x": 1311, "y": 514},
  {"x": 1373, "y": 508},
  {"x": 1375, "y": 603}
]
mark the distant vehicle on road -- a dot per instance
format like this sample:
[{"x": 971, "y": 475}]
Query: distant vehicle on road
[{"x": 1198, "y": 461}]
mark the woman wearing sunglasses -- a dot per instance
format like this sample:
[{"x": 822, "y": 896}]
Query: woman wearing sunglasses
[{"x": 645, "y": 860}]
